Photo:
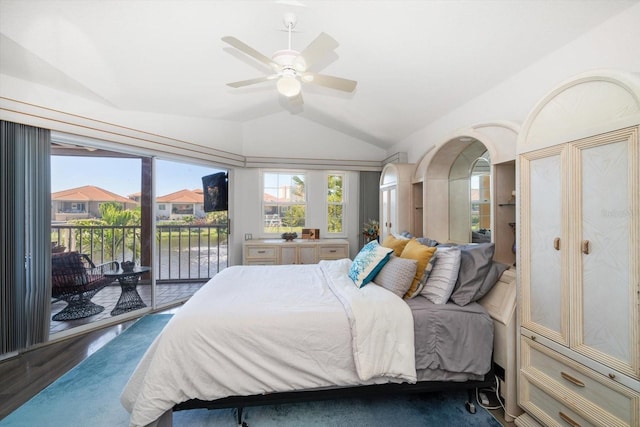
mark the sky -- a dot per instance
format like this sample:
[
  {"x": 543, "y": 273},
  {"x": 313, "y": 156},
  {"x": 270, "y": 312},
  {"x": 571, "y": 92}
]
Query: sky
[{"x": 122, "y": 176}]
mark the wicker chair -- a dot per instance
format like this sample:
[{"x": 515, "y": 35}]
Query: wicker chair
[{"x": 75, "y": 280}]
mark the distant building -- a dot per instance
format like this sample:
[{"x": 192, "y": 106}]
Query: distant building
[
  {"x": 84, "y": 202},
  {"x": 181, "y": 204}
]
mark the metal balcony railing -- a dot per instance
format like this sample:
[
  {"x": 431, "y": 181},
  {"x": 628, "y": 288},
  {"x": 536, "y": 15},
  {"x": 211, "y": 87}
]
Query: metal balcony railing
[{"x": 184, "y": 253}]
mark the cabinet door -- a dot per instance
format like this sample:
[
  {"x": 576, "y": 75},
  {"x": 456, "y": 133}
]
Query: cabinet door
[
  {"x": 288, "y": 254},
  {"x": 607, "y": 238},
  {"x": 543, "y": 248},
  {"x": 307, "y": 255}
]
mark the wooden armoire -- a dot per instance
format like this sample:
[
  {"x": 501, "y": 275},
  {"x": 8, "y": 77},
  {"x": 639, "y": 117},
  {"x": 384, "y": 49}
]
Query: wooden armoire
[{"x": 579, "y": 254}]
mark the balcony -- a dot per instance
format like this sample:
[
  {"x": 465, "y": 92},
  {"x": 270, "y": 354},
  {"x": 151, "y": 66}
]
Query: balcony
[{"x": 186, "y": 257}]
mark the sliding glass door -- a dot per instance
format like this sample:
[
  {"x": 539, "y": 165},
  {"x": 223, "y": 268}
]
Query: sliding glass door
[
  {"x": 190, "y": 243},
  {"x": 103, "y": 205},
  {"x": 96, "y": 211}
]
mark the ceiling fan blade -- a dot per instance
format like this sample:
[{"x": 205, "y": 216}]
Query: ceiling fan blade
[
  {"x": 322, "y": 44},
  {"x": 243, "y": 47},
  {"x": 252, "y": 81},
  {"x": 330, "y": 81}
]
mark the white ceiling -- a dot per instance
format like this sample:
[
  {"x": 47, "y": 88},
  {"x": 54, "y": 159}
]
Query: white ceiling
[{"x": 414, "y": 60}]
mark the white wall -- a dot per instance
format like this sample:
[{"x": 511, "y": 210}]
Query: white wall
[
  {"x": 613, "y": 44},
  {"x": 247, "y": 217}
]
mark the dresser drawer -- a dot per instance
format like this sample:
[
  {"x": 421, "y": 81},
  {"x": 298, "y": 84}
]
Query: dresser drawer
[
  {"x": 333, "y": 252},
  {"x": 547, "y": 409},
  {"x": 261, "y": 262},
  {"x": 261, "y": 252},
  {"x": 596, "y": 397}
]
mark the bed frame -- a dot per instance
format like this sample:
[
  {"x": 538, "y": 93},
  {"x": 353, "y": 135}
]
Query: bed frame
[{"x": 240, "y": 402}]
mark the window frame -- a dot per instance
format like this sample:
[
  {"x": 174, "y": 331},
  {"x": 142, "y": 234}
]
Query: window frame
[
  {"x": 343, "y": 203},
  {"x": 305, "y": 203}
]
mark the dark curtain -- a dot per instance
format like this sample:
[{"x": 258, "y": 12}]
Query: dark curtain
[
  {"x": 369, "y": 200},
  {"x": 25, "y": 241}
]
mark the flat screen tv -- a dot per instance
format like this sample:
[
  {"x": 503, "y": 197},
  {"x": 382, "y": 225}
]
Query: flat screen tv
[{"x": 216, "y": 195}]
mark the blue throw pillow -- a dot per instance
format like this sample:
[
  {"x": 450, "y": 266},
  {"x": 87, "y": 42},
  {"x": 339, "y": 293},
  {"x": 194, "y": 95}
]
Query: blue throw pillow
[{"x": 369, "y": 261}]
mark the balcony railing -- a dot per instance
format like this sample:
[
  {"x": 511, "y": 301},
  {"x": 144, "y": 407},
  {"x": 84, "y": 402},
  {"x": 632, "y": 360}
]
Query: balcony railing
[{"x": 184, "y": 253}]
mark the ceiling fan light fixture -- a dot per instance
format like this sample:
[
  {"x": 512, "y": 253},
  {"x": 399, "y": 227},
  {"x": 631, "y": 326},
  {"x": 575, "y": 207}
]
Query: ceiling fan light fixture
[{"x": 288, "y": 86}]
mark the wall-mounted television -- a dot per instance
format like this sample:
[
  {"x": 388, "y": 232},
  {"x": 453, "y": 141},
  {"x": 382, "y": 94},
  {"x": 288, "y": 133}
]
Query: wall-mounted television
[{"x": 216, "y": 192}]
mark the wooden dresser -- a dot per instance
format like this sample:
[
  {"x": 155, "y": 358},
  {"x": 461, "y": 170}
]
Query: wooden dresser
[{"x": 299, "y": 251}]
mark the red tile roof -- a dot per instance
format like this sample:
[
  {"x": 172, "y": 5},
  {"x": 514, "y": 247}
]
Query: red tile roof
[
  {"x": 89, "y": 193},
  {"x": 182, "y": 196}
]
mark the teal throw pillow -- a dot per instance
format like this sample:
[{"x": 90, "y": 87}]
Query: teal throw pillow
[{"x": 369, "y": 261}]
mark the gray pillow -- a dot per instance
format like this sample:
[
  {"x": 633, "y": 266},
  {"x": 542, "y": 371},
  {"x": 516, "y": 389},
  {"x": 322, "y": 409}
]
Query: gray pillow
[
  {"x": 397, "y": 275},
  {"x": 427, "y": 241},
  {"x": 443, "y": 277},
  {"x": 495, "y": 271},
  {"x": 475, "y": 262}
]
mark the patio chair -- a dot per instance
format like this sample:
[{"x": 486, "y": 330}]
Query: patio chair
[{"x": 75, "y": 280}]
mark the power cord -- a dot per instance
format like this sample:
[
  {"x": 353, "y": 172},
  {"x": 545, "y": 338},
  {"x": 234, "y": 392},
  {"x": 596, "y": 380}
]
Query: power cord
[{"x": 495, "y": 390}]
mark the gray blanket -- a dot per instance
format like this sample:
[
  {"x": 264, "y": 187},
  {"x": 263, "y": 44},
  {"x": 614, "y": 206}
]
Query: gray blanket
[{"x": 452, "y": 338}]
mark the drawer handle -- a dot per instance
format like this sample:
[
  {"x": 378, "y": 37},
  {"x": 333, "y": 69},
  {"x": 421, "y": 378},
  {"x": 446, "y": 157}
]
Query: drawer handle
[
  {"x": 556, "y": 243},
  {"x": 262, "y": 252},
  {"x": 333, "y": 251},
  {"x": 572, "y": 379},
  {"x": 568, "y": 420},
  {"x": 586, "y": 247},
  {"x": 612, "y": 375}
]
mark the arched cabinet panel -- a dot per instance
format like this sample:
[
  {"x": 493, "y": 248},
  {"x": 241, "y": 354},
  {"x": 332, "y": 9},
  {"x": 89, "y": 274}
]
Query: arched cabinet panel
[{"x": 579, "y": 253}]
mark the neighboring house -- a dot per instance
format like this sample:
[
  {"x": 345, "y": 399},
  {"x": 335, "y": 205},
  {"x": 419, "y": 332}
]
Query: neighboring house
[
  {"x": 84, "y": 202},
  {"x": 181, "y": 204}
]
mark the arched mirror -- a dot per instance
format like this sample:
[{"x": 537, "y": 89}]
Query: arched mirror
[
  {"x": 470, "y": 194},
  {"x": 480, "y": 200}
]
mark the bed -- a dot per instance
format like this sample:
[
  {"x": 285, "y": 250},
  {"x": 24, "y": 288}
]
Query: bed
[{"x": 272, "y": 334}]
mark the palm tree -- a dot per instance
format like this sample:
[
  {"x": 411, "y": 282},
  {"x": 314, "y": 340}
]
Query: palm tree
[{"x": 116, "y": 237}]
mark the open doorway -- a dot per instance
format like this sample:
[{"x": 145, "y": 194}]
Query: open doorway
[{"x": 104, "y": 208}]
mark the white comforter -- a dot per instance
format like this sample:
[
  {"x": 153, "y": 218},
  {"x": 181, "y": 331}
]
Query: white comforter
[{"x": 254, "y": 330}]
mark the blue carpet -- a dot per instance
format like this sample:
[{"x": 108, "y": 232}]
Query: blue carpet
[{"x": 89, "y": 395}]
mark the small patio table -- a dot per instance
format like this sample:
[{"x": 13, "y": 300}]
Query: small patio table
[{"x": 129, "y": 297}]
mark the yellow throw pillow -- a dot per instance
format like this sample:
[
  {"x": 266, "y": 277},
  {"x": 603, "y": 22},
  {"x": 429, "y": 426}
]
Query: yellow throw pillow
[
  {"x": 422, "y": 254},
  {"x": 397, "y": 245}
]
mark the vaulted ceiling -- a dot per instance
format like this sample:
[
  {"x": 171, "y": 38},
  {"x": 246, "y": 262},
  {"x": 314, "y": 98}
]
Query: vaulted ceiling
[{"x": 413, "y": 60}]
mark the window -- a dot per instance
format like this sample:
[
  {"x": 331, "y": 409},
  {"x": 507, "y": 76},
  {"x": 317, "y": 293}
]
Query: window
[
  {"x": 335, "y": 203},
  {"x": 284, "y": 202}
]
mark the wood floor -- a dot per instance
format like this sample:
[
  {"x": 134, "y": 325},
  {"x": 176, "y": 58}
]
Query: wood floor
[{"x": 25, "y": 375}]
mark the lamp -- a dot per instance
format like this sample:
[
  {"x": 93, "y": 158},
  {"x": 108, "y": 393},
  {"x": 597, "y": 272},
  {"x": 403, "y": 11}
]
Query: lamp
[{"x": 288, "y": 85}]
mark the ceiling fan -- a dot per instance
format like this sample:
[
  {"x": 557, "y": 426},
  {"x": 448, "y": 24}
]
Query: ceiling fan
[{"x": 291, "y": 67}]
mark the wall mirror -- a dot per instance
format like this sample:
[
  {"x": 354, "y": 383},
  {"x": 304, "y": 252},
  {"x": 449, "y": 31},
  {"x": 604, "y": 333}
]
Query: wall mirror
[
  {"x": 470, "y": 195},
  {"x": 480, "y": 200}
]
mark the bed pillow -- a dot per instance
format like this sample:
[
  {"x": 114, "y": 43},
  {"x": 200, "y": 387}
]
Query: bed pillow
[
  {"x": 425, "y": 275},
  {"x": 423, "y": 255},
  {"x": 397, "y": 275},
  {"x": 475, "y": 262},
  {"x": 492, "y": 277},
  {"x": 394, "y": 243},
  {"x": 443, "y": 278},
  {"x": 427, "y": 241},
  {"x": 371, "y": 258}
]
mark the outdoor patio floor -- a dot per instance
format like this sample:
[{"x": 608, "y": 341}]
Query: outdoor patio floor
[{"x": 108, "y": 297}]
